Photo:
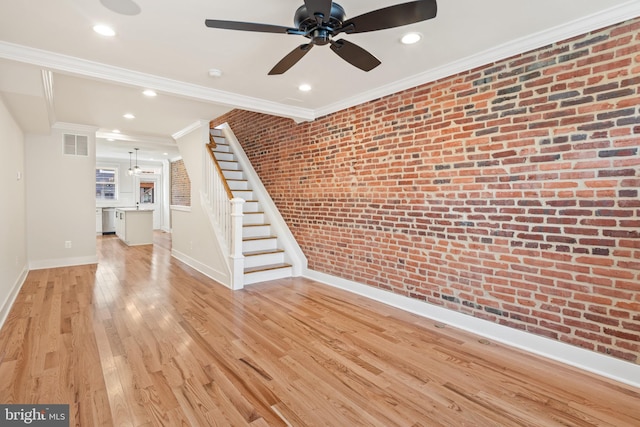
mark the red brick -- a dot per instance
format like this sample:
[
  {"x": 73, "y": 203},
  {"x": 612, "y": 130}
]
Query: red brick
[{"x": 532, "y": 216}]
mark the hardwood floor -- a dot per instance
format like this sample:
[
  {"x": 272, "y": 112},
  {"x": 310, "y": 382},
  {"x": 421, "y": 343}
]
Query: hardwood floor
[{"x": 142, "y": 340}]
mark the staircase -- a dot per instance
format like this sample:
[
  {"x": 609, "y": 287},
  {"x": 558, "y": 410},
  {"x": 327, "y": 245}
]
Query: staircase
[{"x": 263, "y": 258}]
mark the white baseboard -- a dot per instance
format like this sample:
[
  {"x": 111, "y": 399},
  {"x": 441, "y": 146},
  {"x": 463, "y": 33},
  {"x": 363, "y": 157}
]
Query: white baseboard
[
  {"x": 211, "y": 273},
  {"x": 600, "y": 364},
  {"x": 11, "y": 297},
  {"x": 62, "y": 262}
]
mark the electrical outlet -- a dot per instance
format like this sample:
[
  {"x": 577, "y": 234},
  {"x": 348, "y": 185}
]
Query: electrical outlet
[{"x": 67, "y": 244}]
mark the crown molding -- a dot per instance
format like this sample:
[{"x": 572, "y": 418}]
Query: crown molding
[
  {"x": 75, "y": 127},
  {"x": 614, "y": 15},
  {"x": 100, "y": 71},
  {"x": 129, "y": 137},
  {"x": 187, "y": 130}
]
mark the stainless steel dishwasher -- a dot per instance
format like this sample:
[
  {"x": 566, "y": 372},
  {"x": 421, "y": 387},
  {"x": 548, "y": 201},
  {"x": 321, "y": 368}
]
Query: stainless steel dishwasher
[{"x": 108, "y": 221}]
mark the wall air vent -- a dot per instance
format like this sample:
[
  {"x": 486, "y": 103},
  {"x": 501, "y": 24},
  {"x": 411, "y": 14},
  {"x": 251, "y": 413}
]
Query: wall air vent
[{"x": 75, "y": 145}]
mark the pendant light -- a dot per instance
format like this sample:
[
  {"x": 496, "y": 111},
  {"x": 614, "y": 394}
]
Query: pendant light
[
  {"x": 130, "y": 171},
  {"x": 136, "y": 168}
]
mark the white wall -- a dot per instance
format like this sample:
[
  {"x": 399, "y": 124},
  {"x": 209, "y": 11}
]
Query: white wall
[
  {"x": 61, "y": 200},
  {"x": 13, "y": 234},
  {"x": 193, "y": 239}
]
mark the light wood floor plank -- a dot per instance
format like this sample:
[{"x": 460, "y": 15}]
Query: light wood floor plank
[{"x": 143, "y": 340}]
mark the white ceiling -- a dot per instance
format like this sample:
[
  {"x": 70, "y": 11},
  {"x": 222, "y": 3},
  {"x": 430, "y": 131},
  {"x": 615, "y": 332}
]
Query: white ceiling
[{"x": 54, "y": 68}]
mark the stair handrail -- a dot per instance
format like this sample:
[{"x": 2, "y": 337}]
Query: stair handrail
[
  {"x": 226, "y": 214},
  {"x": 210, "y": 146}
]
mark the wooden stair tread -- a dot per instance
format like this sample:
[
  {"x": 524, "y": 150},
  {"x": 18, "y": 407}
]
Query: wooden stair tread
[
  {"x": 265, "y": 252},
  {"x": 256, "y": 225},
  {"x": 266, "y": 268},
  {"x": 248, "y": 239}
]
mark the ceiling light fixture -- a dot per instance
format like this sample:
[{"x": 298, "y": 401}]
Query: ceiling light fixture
[
  {"x": 130, "y": 171},
  {"x": 129, "y": 116},
  {"x": 214, "y": 72},
  {"x": 116, "y": 131},
  {"x": 136, "y": 168},
  {"x": 104, "y": 30},
  {"x": 150, "y": 93},
  {"x": 411, "y": 38},
  {"x": 304, "y": 87}
]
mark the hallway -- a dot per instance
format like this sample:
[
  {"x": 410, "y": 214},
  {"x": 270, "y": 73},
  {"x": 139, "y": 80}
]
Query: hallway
[{"x": 142, "y": 340}]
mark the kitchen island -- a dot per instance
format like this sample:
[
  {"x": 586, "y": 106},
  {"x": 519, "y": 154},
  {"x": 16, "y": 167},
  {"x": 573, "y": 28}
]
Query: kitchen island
[{"x": 134, "y": 226}]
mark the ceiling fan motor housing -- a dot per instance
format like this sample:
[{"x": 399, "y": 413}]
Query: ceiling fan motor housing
[{"x": 319, "y": 31}]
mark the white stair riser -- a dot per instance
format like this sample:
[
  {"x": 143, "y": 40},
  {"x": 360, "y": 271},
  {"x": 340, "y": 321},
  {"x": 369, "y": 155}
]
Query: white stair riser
[
  {"x": 263, "y": 276},
  {"x": 263, "y": 259},
  {"x": 237, "y": 174},
  {"x": 221, "y": 157},
  {"x": 229, "y": 165},
  {"x": 259, "y": 245},
  {"x": 238, "y": 185},
  {"x": 253, "y": 218},
  {"x": 251, "y": 207},
  {"x": 256, "y": 231},
  {"x": 223, "y": 147},
  {"x": 243, "y": 194}
]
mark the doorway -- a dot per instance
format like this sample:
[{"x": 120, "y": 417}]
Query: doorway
[{"x": 149, "y": 196}]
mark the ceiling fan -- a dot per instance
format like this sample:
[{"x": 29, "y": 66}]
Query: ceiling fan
[{"x": 321, "y": 20}]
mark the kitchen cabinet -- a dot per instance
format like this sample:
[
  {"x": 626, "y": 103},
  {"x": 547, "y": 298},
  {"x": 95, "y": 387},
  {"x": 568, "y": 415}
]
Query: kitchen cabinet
[
  {"x": 134, "y": 226},
  {"x": 98, "y": 220}
]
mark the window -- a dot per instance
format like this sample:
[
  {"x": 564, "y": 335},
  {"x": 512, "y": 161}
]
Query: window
[{"x": 106, "y": 183}]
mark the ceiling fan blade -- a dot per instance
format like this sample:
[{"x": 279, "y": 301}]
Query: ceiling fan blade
[
  {"x": 249, "y": 26},
  {"x": 315, "y": 7},
  {"x": 354, "y": 55},
  {"x": 391, "y": 17},
  {"x": 291, "y": 59}
]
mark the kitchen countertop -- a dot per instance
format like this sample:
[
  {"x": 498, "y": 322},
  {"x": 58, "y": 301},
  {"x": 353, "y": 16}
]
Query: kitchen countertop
[{"x": 134, "y": 209}]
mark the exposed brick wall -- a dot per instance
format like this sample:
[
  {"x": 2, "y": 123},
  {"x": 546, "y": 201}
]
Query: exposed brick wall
[
  {"x": 508, "y": 192},
  {"x": 180, "y": 184}
]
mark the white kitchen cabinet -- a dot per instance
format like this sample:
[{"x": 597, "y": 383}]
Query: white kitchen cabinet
[
  {"x": 134, "y": 227},
  {"x": 98, "y": 220}
]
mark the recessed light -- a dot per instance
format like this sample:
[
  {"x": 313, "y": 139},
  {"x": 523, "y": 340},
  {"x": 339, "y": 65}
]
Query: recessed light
[
  {"x": 304, "y": 87},
  {"x": 104, "y": 30},
  {"x": 165, "y": 154},
  {"x": 110, "y": 139},
  {"x": 150, "y": 93},
  {"x": 116, "y": 131},
  {"x": 129, "y": 116},
  {"x": 214, "y": 72},
  {"x": 411, "y": 38}
]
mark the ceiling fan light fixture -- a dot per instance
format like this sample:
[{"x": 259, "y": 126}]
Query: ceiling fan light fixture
[
  {"x": 104, "y": 30},
  {"x": 322, "y": 20},
  {"x": 411, "y": 38}
]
